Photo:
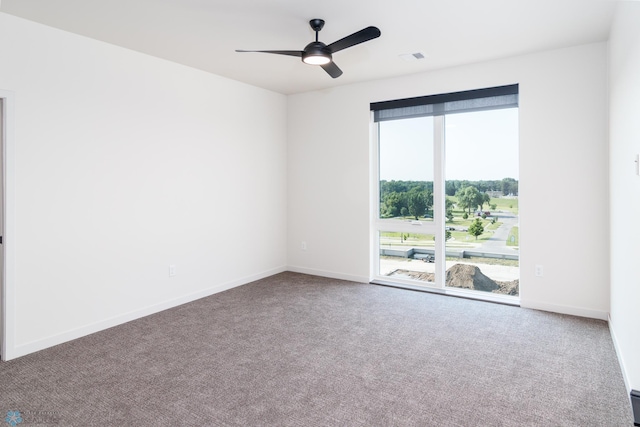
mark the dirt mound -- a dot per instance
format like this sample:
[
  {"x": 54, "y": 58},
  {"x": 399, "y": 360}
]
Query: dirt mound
[
  {"x": 508, "y": 288},
  {"x": 465, "y": 276},
  {"x": 415, "y": 275},
  {"x": 469, "y": 276}
]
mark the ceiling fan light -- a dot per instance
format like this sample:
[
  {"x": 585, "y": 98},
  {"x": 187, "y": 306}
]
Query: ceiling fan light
[{"x": 316, "y": 59}]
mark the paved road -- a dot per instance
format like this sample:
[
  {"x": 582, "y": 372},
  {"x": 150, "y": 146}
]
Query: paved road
[{"x": 498, "y": 242}]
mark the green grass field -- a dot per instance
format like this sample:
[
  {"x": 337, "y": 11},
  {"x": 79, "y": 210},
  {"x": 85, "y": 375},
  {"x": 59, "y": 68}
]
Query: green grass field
[
  {"x": 502, "y": 204},
  {"x": 405, "y": 239},
  {"x": 510, "y": 205},
  {"x": 458, "y": 238}
]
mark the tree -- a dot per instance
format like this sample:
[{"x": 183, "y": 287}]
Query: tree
[
  {"x": 451, "y": 187},
  {"x": 469, "y": 198},
  {"x": 428, "y": 200},
  {"x": 392, "y": 204},
  {"x": 463, "y": 203},
  {"x": 476, "y": 228},
  {"x": 509, "y": 186},
  {"x": 417, "y": 202},
  {"x": 448, "y": 208},
  {"x": 479, "y": 199},
  {"x": 448, "y": 204},
  {"x": 485, "y": 199},
  {"x": 404, "y": 211}
]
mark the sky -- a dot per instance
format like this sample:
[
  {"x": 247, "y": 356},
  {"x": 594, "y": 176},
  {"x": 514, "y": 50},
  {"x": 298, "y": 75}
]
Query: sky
[{"x": 478, "y": 146}]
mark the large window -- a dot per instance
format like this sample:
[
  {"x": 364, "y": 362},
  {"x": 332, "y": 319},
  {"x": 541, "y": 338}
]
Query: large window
[{"x": 446, "y": 192}]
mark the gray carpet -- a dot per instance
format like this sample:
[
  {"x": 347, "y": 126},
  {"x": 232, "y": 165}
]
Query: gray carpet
[{"x": 297, "y": 350}]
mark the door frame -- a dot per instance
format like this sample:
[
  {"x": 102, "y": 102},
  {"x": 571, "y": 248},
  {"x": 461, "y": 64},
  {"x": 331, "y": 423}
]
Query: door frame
[{"x": 7, "y": 281}]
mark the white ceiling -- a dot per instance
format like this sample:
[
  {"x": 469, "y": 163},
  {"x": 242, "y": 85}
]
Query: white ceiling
[{"x": 205, "y": 33}]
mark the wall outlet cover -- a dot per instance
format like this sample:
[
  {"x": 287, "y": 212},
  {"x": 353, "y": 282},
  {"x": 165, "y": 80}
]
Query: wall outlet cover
[{"x": 539, "y": 271}]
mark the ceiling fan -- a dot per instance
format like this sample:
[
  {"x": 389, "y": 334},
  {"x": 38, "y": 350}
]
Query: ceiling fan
[{"x": 318, "y": 53}]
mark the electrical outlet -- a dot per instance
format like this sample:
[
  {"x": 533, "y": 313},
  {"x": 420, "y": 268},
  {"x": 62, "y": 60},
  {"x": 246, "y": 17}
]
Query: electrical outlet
[
  {"x": 539, "y": 271},
  {"x": 303, "y": 245},
  {"x": 172, "y": 270}
]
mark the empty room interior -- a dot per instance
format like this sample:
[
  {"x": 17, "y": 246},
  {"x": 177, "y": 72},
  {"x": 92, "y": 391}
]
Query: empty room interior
[{"x": 196, "y": 230}]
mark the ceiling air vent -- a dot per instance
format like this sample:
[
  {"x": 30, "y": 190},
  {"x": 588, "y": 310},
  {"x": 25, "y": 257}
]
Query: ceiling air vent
[{"x": 412, "y": 56}]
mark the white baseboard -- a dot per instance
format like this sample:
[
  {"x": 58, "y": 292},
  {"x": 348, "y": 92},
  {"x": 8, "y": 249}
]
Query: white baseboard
[
  {"x": 627, "y": 383},
  {"x": 565, "y": 309},
  {"x": 41, "y": 344},
  {"x": 329, "y": 274}
]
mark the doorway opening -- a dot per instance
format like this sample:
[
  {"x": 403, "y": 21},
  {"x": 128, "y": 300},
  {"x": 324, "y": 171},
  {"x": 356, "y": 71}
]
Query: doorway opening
[
  {"x": 2, "y": 281},
  {"x": 6, "y": 225}
]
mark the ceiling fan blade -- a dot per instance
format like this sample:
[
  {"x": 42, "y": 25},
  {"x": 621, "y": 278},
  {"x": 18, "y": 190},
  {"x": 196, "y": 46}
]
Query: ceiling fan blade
[
  {"x": 297, "y": 53},
  {"x": 332, "y": 69},
  {"x": 361, "y": 36}
]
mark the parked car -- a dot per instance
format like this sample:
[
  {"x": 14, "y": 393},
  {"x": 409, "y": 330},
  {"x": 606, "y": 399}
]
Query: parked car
[{"x": 429, "y": 258}]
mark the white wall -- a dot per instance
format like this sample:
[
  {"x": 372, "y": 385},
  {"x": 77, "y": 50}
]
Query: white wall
[
  {"x": 124, "y": 164},
  {"x": 624, "y": 86},
  {"x": 563, "y": 166}
]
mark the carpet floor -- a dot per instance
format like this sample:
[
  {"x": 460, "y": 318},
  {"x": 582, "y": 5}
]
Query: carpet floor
[{"x": 299, "y": 350}]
